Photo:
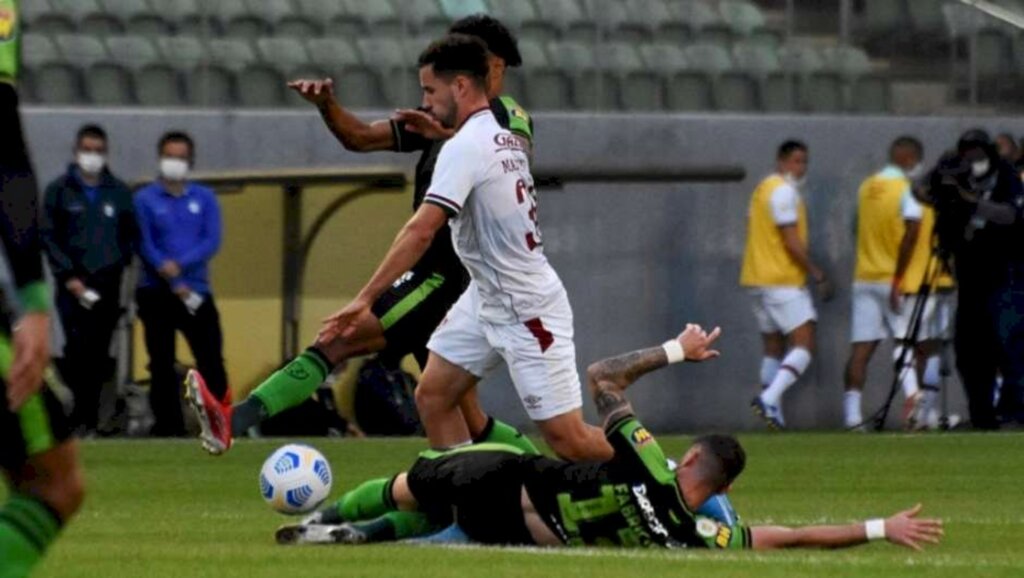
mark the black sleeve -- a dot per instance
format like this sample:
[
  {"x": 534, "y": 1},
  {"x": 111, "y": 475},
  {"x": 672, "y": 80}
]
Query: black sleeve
[
  {"x": 128, "y": 228},
  {"x": 407, "y": 142},
  {"x": 19, "y": 193},
  {"x": 50, "y": 232}
]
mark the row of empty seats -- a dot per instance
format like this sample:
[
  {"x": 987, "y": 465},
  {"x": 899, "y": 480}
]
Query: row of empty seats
[
  {"x": 538, "y": 19},
  {"x": 374, "y": 72}
]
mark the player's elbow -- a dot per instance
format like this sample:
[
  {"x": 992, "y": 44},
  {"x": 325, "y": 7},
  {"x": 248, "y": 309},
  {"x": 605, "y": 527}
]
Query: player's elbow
[{"x": 596, "y": 372}]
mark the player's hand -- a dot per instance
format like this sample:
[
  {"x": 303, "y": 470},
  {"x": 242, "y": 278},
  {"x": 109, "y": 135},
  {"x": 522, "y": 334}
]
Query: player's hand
[
  {"x": 421, "y": 123},
  {"x": 169, "y": 269},
  {"x": 318, "y": 92},
  {"x": 75, "y": 286},
  {"x": 344, "y": 322},
  {"x": 697, "y": 343},
  {"x": 896, "y": 299},
  {"x": 824, "y": 287},
  {"x": 906, "y": 529},
  {"x": 31, "y": 354}
]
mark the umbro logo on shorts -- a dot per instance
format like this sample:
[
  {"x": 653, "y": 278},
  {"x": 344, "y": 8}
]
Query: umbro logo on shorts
[{"x": 532, "y": 401}]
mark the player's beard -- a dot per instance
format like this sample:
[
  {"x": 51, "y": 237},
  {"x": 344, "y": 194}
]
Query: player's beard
[{"x": 448, "y": 120}]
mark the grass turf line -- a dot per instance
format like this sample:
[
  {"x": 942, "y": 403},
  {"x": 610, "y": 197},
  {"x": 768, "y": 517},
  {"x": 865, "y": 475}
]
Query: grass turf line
[{"x": 158, "y": 508}]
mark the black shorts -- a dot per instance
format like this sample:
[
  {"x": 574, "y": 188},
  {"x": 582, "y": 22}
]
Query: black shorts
[
  {"x": 38, "y": 426},
  {"x": 412, "y": 309},
  {"x": 482, "y": 487},
  {"x": 13, "y": 152}
]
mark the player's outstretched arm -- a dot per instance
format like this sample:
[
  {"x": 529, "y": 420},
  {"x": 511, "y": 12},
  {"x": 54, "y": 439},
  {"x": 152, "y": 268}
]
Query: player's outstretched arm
[
  {"x": 351, "y": 132},
  {"x": 609, "y": 378},
  {"x": 903, "y": 529}
]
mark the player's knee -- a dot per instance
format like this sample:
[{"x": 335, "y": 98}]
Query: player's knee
[
  {"x": 576, "y": 442},
  {"x": 431, "y": 398}
]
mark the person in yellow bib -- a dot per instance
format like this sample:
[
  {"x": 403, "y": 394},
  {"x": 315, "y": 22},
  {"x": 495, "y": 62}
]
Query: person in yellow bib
[
  {"x": 888, "y": 230},
  {"x": 776, "y": 264}
]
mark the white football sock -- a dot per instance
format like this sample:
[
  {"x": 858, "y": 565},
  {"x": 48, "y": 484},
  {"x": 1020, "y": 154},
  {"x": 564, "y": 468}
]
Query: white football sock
[
  {"x": 793, "y": 366},
  {"x": 907, "y": 372},
  {"x": 932, "y": 371},
  {"x": 851, "y": 408},
  {"x": 769, "y": 367}
]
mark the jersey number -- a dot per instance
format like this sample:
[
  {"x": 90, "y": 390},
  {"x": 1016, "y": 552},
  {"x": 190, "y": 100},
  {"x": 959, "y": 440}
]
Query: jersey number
[{"x": 527, "y": 193}]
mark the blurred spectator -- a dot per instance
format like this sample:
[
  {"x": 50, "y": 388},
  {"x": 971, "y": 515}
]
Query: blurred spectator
[
  {"x": 180, "y": 231},
  {"x": 776, "y": 264},
  {"x": 1007, "y": 147},
  {"x": 88, "y": 228}
]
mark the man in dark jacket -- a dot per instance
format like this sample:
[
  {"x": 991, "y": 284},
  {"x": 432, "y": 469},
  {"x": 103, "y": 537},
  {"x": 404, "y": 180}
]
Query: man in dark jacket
[{"x": 88, "y": 229}]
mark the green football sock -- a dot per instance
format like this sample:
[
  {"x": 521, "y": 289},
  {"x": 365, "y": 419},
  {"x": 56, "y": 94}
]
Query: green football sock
[
  {"x": 397, "y": 526},
  {"x": 499, "y": 432},
  {"x": 370, "y": 500},
  {"x": 293, "y": 383},
  {"x": 27, "y": 527}
]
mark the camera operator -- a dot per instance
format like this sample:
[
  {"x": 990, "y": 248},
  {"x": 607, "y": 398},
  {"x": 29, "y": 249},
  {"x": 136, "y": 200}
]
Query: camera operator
[{"x": 979, "y": 199}]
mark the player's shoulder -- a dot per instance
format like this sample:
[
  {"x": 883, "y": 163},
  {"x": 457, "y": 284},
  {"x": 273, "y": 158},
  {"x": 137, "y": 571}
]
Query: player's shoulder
[{"x": 512, "y": 116}]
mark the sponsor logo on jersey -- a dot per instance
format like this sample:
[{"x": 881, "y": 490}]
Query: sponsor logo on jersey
[
  {"x": 518, "y": 113},
  {"x": 640, "y": 493},
  {"x": 8, "y": 22},
  {"x": 724, "y": 535},
  {"x": 507, "y": 141},
  {"x": 641, "y": 437}
]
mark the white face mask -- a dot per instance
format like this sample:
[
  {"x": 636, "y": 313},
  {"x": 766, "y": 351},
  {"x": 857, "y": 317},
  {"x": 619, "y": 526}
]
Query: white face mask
[
  {"x": 980, "y": 168},
  {"x": 90, "y": 163},
  {"x": 798, "y": 183},
  {"x": 173, "y": 169},
  {"x": 915, "y": 172}
]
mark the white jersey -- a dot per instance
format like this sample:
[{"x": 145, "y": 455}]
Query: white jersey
[{"x": 482, "y": 180}]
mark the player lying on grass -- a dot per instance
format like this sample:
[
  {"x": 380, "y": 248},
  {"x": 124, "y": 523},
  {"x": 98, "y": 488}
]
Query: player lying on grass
[{"x": 500, "y": 496}]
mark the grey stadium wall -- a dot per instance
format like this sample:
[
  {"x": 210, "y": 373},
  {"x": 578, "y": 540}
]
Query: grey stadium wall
[{"x": 638, "y": 260}]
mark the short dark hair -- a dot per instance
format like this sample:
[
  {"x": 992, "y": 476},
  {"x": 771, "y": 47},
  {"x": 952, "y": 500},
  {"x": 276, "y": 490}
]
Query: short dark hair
[
  {"x": 1009, "y": 137},
  {"x": 457, "y": 54},
  {"x": 909, "y": 142},
  {"x": 722, "y": 459},
  {"x": 789, "y": 147},
  {"x": 498, "y": 39},
  {"x": 91, "y": 131},
  {"x": 177, "y": 136}
]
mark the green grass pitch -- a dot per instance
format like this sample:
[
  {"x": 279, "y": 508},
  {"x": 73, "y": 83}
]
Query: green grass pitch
[{"x": 166, "y": 509}]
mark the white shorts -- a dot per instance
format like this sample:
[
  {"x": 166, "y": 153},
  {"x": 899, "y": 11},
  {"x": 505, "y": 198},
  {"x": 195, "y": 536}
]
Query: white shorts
[
  {"x": 936, "y": 320},
  {"x": 782, "y": 309},
  {"x": 540, "y": 354},
  {"x": 872, "y": 319}
]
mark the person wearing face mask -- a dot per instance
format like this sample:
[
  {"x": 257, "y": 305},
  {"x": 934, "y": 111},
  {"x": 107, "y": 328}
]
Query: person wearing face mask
[
  {"x": 980, "y": 202},
  {"x": 88, "y": 231},
  {"x": 180, "y": 232},
  {"x": 776, "y": 264},
  {"x": 888, "y": 227}
]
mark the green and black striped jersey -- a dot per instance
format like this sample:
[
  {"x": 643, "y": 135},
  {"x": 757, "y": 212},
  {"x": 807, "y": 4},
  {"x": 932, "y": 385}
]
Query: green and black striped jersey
[{"x": 631, "y": 501}]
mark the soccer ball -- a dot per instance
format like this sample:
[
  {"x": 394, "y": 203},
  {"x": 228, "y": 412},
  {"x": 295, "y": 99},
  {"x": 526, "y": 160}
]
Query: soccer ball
[{"x": 295, "y": 479}]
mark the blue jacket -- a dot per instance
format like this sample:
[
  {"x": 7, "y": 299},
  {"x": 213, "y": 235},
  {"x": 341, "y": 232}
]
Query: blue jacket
[{"x": 185, "y": 229}]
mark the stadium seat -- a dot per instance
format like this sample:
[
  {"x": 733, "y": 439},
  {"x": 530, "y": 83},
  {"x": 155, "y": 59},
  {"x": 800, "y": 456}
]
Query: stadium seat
[
  {"x": 1018, "y": 54},
  {"x": 731, "y": 89},
  {"x": 49, "y": 79},
  {"x": 290, "y": 59},
  {"x": 926, "y": 18},
  {"x": 386, "y": 58},
  {"x": 870, "y": 94},
  {"x": 424, "y": 17},
  {"x": 205, "y": 84},
  {"x": 256, "y": 83},
  {"x": 819, "y": 88},
  {"x": 685, "y": 89},
  {"x": 619, "y": 23},
  {"x": 883, "y": 19},
  {"x": 636, "y": 87},
  {"x": 154, "y": 82},
  {"x": 103, "y": 81},
  {"x": 570, "y": 18},
  {"x": 354, "y": 83},
  {"x": 237, "y": 21},
  {"x": 665, "y": 24},
  {"x": 88, "y": 16},
  {"x": 282, "y": 16},
  {"x": 854, "y": 68},
  {"x": 590, "y": 89},
  {"x": 743, "y": 18},
  {"x": 455, "y": 9},
  {"x": 136, "y": 17},
  {"x": 994, "y": 52},
  {"x": 522, "y": 16},
  {"x": 333, "y": 16},
  {"x": 545, "y": 87},
  {"x": 706, "y": 24},
  {"x": 184, "y": 16},
  {"x": 774, "y": 86},
  {"x": 40, "y": 17},
  {"x": 379, "y": 17}
]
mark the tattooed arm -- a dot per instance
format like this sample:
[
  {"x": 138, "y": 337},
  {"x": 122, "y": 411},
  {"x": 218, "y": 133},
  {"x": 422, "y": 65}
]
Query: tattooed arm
[{"x": 609, "y": 378}]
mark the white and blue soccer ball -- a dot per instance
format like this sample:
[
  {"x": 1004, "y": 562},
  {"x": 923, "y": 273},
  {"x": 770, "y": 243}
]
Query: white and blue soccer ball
[{"x": 295, "y": 479}]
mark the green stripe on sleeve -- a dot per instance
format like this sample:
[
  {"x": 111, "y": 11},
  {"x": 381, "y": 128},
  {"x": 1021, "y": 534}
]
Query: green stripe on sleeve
[
  {"x": 33, "y": 418},
  {"x": 35, "y": 297},
  {"x": 518, "y": 119},
  {"x": 411, "y": 301}
]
